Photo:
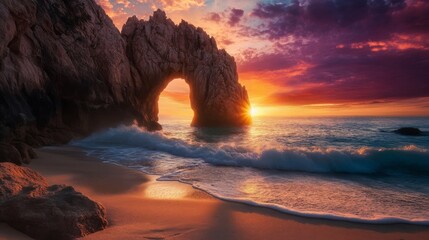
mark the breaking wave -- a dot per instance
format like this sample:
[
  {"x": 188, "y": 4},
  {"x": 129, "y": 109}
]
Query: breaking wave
[{"x": 409, "y": 159}]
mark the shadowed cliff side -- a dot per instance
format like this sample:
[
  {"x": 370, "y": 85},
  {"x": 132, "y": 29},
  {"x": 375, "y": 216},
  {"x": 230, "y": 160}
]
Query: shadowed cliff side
[
  {"x": 65, "y": 70},
  {"x": 160, "y": 51}
]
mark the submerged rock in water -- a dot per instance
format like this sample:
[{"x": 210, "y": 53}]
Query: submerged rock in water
[
  {"x": 28, "y": 204},
  {"x": 409, "y": 131}
]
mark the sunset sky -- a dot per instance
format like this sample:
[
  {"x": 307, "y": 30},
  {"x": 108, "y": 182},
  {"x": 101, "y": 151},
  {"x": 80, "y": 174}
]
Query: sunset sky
[{"x": 309, "y": 57}]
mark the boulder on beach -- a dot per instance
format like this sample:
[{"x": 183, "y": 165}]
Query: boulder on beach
[
  {"x": 27, "y": 153},
  {"x": 409, "y": 131},
  {"x": 8, "y": 153},
  {"x": 29, "y": 205}
]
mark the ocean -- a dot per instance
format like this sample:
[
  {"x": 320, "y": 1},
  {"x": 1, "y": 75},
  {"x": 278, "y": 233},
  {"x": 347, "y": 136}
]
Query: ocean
[{"x": 350, "y": 169}]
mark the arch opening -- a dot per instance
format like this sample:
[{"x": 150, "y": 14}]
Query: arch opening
[{"x": 174, "y": 102}]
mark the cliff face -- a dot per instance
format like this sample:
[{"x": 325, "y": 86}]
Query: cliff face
[{"x": 64, "y": 65}]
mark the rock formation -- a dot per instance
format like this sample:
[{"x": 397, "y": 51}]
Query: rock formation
[
  {"x": 28, "y": 204},
  {"x": 160, "y": 51},
  {"x": 65, "y": 70},
  {"x": 62, "y": 65},
  {"x": 8, "y": 153},
  {"x": 16, "y": 152},
  {"x": 409, "y": 131}
]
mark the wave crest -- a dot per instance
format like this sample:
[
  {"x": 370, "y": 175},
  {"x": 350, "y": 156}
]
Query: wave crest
[{"x": 409, "y": 159}]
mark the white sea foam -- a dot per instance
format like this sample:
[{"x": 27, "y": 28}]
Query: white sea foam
[
  {"x": 366, "y": 160},
  {"x": 280, "y": 208}
]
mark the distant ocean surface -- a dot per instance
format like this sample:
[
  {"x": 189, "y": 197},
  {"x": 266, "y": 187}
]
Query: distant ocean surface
[{"x": 352, "y": 169}]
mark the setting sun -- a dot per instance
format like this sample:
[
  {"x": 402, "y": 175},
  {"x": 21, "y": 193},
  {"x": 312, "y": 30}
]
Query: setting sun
[{"x": 253, "y": 111}]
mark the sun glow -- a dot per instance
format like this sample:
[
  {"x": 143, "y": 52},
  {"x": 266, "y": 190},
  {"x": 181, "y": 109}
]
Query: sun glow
[
  {"x": 253, "y": 111},
  {"x": 174, "y": 102}
]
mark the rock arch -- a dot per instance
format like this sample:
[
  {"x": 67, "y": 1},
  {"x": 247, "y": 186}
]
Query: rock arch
[
  {"x": 160, "y": 51},
  {"x": 66, "y": 71}
]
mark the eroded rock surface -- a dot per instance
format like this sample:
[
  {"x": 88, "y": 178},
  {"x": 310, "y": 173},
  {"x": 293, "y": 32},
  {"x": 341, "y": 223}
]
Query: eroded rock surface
[
  {"x": 65, "y": 70},
  {"x": 8, "y": 153},
  {"x": 27, "y": 153},
  {"x": 63, "y": 66},
  {"x": 28, "y": 204},
  {"x": 160, "y": 51}
]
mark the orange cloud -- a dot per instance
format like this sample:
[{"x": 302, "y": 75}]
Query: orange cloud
[
  {"x": 120, "y": 10},
  {"x": 107, "y": 6},
  {"x": 261, "y": 85},
  {"x": 126, "y": 3},
  {"x": 177, "y": 5},
  {"x": 398, "y": 42},
  {"x": 116, "y": 12},
  {"x": 179, "y": 97}
]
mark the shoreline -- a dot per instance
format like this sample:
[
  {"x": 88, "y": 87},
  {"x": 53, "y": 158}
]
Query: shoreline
[
  {"x": 327, "y": 217},
  {"x": 139, "y": 207},
  {"x": 319, "y": 216}
]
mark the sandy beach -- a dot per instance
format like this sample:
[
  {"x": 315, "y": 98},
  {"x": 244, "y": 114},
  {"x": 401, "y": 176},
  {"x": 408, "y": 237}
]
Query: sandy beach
[{"x": 139, "y": 207}]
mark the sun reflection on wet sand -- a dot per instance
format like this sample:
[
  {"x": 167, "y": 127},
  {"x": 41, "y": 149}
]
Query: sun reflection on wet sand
[
  {"x": 166, "y": 190},
  {"x": 171, "y": 190}
]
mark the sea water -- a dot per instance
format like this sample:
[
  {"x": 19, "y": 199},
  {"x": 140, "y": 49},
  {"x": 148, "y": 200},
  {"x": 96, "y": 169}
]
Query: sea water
[{"x": 352, "y": 169}]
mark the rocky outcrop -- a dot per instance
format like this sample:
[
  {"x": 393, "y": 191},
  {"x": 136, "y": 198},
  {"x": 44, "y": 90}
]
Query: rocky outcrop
[
  {"x": 27, "y": 153},
  {"x": 62, "y": 65},
  {"x": 160, "y": 51},
  {"x": 16, "y": 152},
  {"x": 409, "y": 131},
  {"x": 65, "y": 70},
  {"x": 28, "y": 204},
  {"x": 8, "y": 153}
]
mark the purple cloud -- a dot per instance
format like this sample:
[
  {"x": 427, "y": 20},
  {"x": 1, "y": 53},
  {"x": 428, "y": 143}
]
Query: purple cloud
[
  {"x": 215, "y": 17},
  {"x": 356, "y": 50},
  {"x": 358, "y": 76},
  {"x": 373, "y": 18},
  {"x": 235, "y": 16}
]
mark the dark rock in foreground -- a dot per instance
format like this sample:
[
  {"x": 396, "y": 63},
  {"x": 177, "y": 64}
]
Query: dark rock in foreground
[
  {"x": 27, "y": 153},
  {"x": 63, "y": 69},
  {"x": 66, "y": 70},
  {"x": 409, "y": 131},
  {"x": 9, "y": 153},
  {"x": 16, "y": 152},
  {"x": 28, "y": 204}
]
